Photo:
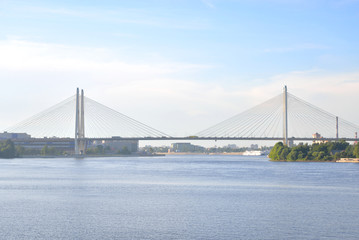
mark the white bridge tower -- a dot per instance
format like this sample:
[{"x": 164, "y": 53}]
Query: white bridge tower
[
  {"x": 80, "y": 142},
  {"x": 285, "y": 116}
]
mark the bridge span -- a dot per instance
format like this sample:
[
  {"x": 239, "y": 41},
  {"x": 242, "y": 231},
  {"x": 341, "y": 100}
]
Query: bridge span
[
  {"x": 79, "y": 120},
  {"x": 184, "y": 139}
]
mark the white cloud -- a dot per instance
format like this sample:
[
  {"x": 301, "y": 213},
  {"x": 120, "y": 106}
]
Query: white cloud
[{"x": 28, "y": 56}]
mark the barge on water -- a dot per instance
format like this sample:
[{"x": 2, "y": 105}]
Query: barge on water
[{"x": 351, "y": 160}]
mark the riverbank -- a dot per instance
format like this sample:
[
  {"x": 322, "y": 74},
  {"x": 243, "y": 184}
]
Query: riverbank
[
  {"x": 323, "y": 152},
  {"x": 301, "y": 160},
  {"x": 193, "y": 153},
  {"x": 93, "y": 155}
]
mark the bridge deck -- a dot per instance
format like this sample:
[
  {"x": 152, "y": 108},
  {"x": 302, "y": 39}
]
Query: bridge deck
[{"x": 184, "y": 138}]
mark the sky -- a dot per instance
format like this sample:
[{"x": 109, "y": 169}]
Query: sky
[{"x": 178, "y": 66}]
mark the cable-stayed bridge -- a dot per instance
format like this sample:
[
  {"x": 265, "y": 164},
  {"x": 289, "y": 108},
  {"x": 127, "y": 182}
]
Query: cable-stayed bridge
[{"x": 283, "y": 117}]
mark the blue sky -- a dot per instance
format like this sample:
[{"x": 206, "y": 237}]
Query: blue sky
[{"x": 182, "y": 65}]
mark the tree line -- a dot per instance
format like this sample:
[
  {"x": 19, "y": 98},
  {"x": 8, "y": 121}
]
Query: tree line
[
  {"x": 99, "y": 149},
  {"x": 329, "y": 151},
  {"x": 9, "y": 150}
]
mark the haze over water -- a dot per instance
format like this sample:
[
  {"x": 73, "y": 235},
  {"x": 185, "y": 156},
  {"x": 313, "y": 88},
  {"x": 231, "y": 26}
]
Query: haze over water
[{"x": 177, "y": 197}]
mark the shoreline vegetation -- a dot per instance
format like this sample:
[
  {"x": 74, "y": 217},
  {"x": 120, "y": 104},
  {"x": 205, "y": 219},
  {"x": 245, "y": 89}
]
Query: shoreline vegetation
[
  {"x": 9, "y": 150},
  {"x": 317, "y": 152}
]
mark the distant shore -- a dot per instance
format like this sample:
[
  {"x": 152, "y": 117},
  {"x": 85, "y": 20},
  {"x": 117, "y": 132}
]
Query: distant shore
[
  {"x": 194, "y": 153},
  {"x": 342, "y": 160},
  {"x": 93, "y": 156},
  {"x": 333, "y": 161}
]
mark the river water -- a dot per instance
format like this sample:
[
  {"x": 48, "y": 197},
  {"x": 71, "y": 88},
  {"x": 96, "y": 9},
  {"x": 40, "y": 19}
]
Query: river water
[{"x": 177, "y": 197}]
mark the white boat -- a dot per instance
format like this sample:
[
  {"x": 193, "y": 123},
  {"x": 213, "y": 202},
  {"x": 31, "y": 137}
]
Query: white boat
[{"x": 253, "y": 153}]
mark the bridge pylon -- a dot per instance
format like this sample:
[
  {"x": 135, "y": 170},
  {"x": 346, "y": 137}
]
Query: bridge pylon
[
  {"x": 285, "y": 116},
  {"x": 80, "y": 142}
]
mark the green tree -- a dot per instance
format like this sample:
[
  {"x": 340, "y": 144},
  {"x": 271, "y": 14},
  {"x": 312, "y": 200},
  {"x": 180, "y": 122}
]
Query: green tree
[
  {"x": 301, "y": 152},
  {"x": 356, "y": 150},
  {"x": 349, "y": 151},
  {"x": 7, "y": 149},
  {"x": 274, "y": 153},
  {"x": 107, "y": 149},
  {"x": 337, "y": 146},
  {"x": 320, "y": 147},
  {"x": 284, "y": 153},
  {"x": 45, "y": 150},
  {"x": 337, "y": 156},
  {"x": 49, "y": 151},
  {"x": 293, "y": 155},
  {"x": 125, "y": 151},
  {"x": 19, "y": 151},
  {"x": 319, "y": 152},
  {"x": 99, "y": 149},
  {"x": 279, "y": 152}
]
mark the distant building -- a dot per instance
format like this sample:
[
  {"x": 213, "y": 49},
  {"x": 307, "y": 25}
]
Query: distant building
[
  {"x": 116, "y": 145},
  {"x": 254, "y": 146},
  {"x": 317, "y": 138},
  {"x": 25, "y": 140},
  {"x": 186, "y": 147},
  {"x": 316, "y": 135},
  {"x": 7, "y": 135},
  {"x": 290, "y": 143},
  {"x": 64, "y": 144},
  {"x": 232, "y": 146}
]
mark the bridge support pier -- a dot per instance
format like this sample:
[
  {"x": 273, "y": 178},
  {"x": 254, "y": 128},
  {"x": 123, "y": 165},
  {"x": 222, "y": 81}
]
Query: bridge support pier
[
  {"x": 285, "y": 116},
  {"x": 80, "y": 143}
]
